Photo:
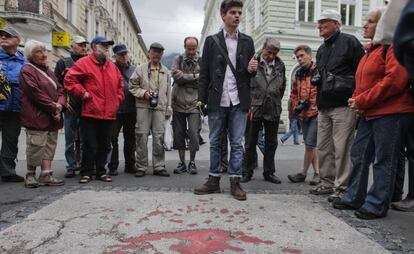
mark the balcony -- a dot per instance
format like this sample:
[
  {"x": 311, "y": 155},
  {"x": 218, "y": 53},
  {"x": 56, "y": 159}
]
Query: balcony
[{"x": 38, "y": 14}]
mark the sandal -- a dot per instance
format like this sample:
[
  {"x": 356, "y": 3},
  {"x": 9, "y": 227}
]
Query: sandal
[
  {"x": 322, "y": 190},
  {"x": 104, "y": 178},
  {"x": 85, "y": 179}
]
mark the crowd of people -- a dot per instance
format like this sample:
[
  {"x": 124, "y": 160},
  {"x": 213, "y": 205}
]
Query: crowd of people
[{"x": 354, "y": 104}]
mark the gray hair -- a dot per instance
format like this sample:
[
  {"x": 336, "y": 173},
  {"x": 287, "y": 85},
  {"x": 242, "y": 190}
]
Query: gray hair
[
  {"x": 271, "y": 42},
  {"x": 30, "y": 46}
]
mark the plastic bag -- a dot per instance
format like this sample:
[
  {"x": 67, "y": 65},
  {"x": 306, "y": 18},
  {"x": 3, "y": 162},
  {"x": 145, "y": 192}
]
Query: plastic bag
[{"x": 168, "y": 135}]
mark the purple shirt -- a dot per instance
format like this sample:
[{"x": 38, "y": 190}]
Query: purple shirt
[{"x": 230, "y": 93}]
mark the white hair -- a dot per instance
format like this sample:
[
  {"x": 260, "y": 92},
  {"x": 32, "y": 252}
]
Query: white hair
[{"x": 30, "y": 46}]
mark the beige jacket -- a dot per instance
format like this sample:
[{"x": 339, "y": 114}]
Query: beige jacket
[
  {"x": 141, "y": 82},
  {"x": 185, "y": 72}
]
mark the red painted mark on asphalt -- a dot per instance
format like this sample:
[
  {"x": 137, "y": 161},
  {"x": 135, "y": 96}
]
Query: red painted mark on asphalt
[
  {"x": 192, "y": 225},
  {"x": 189, "y": 209},
  {"x": 230, "y": 216},
  {"x": 238, "y": 212},
  {"x": 224, "y": 211},
  {"x": 203, "y": 241},
  {"x": 250, "y": 229},
  {"x": 176, "y": 221},
  {"x": 292, "y": 250},
  {"x": 207, "y": 221},
  {"x": 213, "y": 210},
  {"x": 228, "y": 221},
  {"x": 155, "y": 213},
  {"x": 203, "y": 200},
  {"x": 168, "y": 211},
  {"x": 130, "y": 210},
  {"x": 318, "y": 230},
  {"x": 180, "y": 210},
  {"x": 127, "y": 224}
]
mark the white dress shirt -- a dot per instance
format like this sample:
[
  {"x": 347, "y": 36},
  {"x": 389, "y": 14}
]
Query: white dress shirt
[{"x": 230, "y": 93}]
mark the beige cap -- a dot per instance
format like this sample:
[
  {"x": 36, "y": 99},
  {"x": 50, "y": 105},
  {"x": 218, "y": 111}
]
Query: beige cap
[
  {"x": 79, "y": 39},
  {"x": 331, "y": 15}
]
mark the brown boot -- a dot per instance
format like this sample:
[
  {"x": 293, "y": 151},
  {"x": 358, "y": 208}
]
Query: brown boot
[
  {"x": 236, "y": 191},
  {"x": 211, "y": 186}
]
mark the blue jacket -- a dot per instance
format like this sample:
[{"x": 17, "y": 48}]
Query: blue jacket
[{"x": 11, "y": 65}]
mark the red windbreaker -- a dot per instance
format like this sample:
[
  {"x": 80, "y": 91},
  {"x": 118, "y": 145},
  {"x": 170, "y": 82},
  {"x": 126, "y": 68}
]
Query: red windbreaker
[{"x": 102, "y": 82}]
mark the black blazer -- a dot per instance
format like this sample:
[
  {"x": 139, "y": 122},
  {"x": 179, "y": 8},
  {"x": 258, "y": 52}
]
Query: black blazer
[{"x": 213, "y": 68}]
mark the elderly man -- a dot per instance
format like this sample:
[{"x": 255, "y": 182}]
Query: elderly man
[
  {"x": 185, "y": 71},
  {"x": 150, "y": 84},
  {"x": 267, "y": 90},
  {"x": 227, "y": 65},
  {"x": 11, "y": 62},
  {"x": 337, "y": 60},
  {"x": 126, "y": 116},
  {"x": 98, "y": 83},
  {"x": 72, "y": 114}
]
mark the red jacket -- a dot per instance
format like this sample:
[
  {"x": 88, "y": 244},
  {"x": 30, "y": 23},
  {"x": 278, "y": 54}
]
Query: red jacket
[
  {"x": 382, "y": 85},
  {"x": 102, "y": 82},
  {"x": 38, "y": 98},
  {"x": 307, "y": 91}
]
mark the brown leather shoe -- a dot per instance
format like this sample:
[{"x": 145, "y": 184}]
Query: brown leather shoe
[
  {"x": 236, "y": 191},
  {"x": 211, "y": 186}
]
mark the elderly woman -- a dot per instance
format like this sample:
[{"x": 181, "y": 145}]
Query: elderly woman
[
  {"x": 42, "y": 101},
  {"x": 383, "y": 101}
]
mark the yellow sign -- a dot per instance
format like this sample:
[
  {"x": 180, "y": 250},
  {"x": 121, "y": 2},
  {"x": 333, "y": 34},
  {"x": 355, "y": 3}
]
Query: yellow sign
[
  {"x": 61, "y": 39},
  {"x": 2, "y": 23}
]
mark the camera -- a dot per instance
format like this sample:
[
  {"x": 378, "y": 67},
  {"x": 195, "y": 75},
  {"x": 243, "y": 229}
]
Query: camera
[
  {"x": 316, "y": 79},
  {"x": 153, "y": 100},
  {"x": 303, "y": 105}
]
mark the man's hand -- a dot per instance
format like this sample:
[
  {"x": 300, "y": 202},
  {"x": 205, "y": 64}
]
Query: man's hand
[
  {"x": 178, "y": 73},
  {"x": 253, "y": 64},
  {"x": 147, "y": 95},
  {"x": 200, "y": 104},
  {"x": 352, "y": 104},
  {"x": 86, "y": 96}
]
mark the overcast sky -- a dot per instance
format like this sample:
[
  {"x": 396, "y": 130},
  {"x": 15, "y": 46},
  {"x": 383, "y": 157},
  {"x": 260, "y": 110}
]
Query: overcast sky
[{"x": 169, "y": 22}]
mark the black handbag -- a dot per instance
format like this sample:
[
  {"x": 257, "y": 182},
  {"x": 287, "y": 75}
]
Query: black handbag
[{"x": 337, "y": 85}]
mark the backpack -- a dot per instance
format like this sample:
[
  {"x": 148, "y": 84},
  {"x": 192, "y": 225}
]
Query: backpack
[{"x": 384, "y": 57}]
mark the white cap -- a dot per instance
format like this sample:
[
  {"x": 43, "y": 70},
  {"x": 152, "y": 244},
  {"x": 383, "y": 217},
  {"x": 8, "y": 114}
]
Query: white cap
[
  {"x": 330, "y": 14},
  {"x": 79, "y": 39}
]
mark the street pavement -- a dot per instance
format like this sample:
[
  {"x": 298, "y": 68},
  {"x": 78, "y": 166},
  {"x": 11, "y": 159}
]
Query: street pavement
[{"x": 160, "y": 215}]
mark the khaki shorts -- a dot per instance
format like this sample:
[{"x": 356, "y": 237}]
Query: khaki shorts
[{"x": 41, "y": 145}]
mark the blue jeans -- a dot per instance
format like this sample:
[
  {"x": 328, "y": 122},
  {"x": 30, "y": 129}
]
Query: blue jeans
[
  {"x": 71, "y": 126},
  {"x": 235, "y": 120},
  {"x": 380, "y": 139},
  {"x": 292, "y": 131}
]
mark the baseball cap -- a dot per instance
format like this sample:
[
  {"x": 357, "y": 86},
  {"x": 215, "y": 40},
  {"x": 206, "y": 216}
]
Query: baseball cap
[
  {"x": 156, "y": 45},
  {"x": 79, "y": 39},
  {"x": 10, "y": 31},
  {"x": 101, "y": 40},
  {"x": 119, "y": 49},
  {"x": 331, "y": 15}
]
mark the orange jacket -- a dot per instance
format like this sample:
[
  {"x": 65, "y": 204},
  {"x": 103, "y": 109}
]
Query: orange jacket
[
  {"x": 306, "y": 90},
  {"x": 381, "y": 85}
]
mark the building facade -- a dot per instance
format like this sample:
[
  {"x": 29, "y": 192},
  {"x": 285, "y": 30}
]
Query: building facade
[
  {"x": 41, "y": 19},
  {"x": 292, "y": 22}
]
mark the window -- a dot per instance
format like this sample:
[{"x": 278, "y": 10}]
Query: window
[
  {"x": 29, "y": 6},
  {"x": 348, "y": 10},
  {"x": 258, "y": 13},
  {"x": 69, "y": 11},
  {"x": 306, "y": 10}
]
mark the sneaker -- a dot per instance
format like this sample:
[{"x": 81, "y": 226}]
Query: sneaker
[
  {"x": 297, "y": 178},
  {"x": 334, "y": 196},
  {"x": 406, "y": 205},
  {"x": 181, "y": 168},
  {"x": 49, "y": 180},
  {"x": 281, "y": 142},
  {"x": 30, "y": 181},
  {"x": 316, "y": 179},
  {"x": 70, "y": 173},
  {"x": 192, "y": 169}
]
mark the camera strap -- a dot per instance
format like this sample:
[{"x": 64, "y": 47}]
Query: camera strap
[{"x": 229, "y": 63}]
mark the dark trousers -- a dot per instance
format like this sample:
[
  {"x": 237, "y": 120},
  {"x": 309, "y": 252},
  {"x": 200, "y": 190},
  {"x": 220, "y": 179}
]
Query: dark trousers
[
  {"x": 96, "y": 138},
  {"x": 126, "y": 122},
  {"x": 10, "y": 131},
  {"x": 380, "y": 138},
  {"x": 270, "y": 128},
  {"x": 407, "y": 151}
]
